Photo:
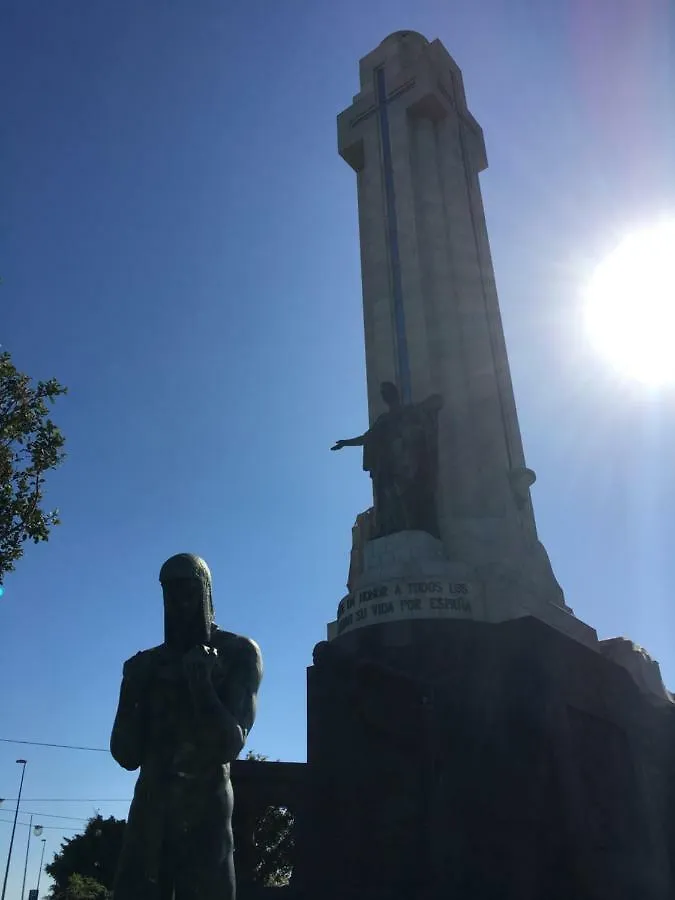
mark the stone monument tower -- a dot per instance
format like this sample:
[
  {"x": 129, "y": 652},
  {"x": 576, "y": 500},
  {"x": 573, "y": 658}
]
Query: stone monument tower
[
  {"x": 468, "y": 736},
  {"x": 433, "y": 328}
]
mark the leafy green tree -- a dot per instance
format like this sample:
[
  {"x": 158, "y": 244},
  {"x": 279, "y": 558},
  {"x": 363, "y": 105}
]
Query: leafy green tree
[
  {"x": 30, "y": 445},
  {"x": 91, "y": 855},
  {"x": 82, "y": 888}
]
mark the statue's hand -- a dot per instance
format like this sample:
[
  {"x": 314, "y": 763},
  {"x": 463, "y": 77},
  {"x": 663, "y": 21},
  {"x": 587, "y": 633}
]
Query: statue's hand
[
  {"x": 338, "y": 446},
  {"x": 199, "y": 664}
]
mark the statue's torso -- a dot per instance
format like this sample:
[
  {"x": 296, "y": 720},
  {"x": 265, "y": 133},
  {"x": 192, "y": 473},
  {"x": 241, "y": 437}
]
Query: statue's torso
[
  {"x": 173, "y": 739},
  {"x": 395, "y": 444}
]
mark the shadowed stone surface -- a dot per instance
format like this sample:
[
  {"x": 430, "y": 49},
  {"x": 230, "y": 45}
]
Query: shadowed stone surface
[{"x": 485, "y": 761}]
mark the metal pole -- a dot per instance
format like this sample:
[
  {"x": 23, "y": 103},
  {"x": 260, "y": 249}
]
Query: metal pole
[
  {"x": 21, "y": 762},
  {"x": 25, "y": 868},
  {"x": 42, "y": 857}
]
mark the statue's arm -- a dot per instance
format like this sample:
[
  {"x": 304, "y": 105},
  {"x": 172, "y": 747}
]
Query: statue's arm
[
  {"x": 126, "y": 740},
  {"x": 350, "y": 442},
  {"x": 226, "y": 714}
]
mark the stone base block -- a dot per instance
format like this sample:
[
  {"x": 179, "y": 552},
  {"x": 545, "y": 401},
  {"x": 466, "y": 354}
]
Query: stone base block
[{"x": 486, "y": 761}]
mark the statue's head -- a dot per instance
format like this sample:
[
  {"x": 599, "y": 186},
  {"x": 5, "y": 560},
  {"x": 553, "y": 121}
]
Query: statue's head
[
  {"x": 188, "y": 606},
  {"x": 389, "y": 393}
]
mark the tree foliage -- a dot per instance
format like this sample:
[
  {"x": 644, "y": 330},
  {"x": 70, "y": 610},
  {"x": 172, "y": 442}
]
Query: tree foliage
[
  {"x": 82, "y": 888},
  {"x": 91, "y": 855},
  {"x": 30, "y": 445},
  {"x": 274, "y": 841}
]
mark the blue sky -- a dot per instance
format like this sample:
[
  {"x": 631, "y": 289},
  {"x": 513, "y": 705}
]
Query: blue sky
[{"x": 179, "y": 246}]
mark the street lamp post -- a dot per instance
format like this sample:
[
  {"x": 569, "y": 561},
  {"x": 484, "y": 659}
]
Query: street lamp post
[
  {"x": 37, "y": 832},
  {"x": 42, "y": 859},
  {"x": 21, "y": 762}
]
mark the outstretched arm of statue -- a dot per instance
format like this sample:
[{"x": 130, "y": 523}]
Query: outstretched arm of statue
[
  {"x": 350, "y": 442},
  {"x": 225, "y": 713},
  {"x": 126, "y": 740}
]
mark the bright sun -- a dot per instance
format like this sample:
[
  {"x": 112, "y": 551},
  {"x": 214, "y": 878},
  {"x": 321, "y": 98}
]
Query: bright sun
[{"x": 630, "y": 305}]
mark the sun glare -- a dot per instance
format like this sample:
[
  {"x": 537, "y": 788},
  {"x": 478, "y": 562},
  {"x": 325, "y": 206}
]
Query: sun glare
[{"x": 630, "y": 305}]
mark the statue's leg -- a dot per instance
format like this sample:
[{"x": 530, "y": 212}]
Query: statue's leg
[
  {"x": 138, "y": 875},
  {"x": 207, "y": 868},
  {"x": 167, "y": 876},
  {"x": 419, "y": 505},
  {"x": 206, "y": 864}
]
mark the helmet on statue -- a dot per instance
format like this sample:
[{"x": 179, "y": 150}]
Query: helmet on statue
[{"x": 188, "y": 603}]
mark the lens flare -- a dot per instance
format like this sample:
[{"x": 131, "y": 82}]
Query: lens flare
[{"x": 630, "y": 305}]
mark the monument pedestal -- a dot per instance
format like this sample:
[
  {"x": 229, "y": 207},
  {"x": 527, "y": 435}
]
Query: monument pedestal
[{"x": 484, "y": 760}]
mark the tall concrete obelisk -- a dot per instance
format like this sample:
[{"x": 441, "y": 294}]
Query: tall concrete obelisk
[
  {"x": 467, "y": 736},
  {"x": 432, "y": 320}
]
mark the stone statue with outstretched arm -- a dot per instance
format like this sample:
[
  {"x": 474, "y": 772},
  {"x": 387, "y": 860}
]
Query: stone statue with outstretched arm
[
  {"x": 185, "y": 710},
  {"x": 400, "y": 451}
]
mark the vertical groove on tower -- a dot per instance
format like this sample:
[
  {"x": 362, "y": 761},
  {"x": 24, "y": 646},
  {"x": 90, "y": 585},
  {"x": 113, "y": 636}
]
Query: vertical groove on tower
[
  {"x": 402, "y": 359},
  {"x": 468, "y": 172}
]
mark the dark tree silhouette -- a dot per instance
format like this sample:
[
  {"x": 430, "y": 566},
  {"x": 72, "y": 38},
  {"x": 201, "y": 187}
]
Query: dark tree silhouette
[
  {"x": 274, "y": 841},
  {"x": 92, "y": 854}
]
